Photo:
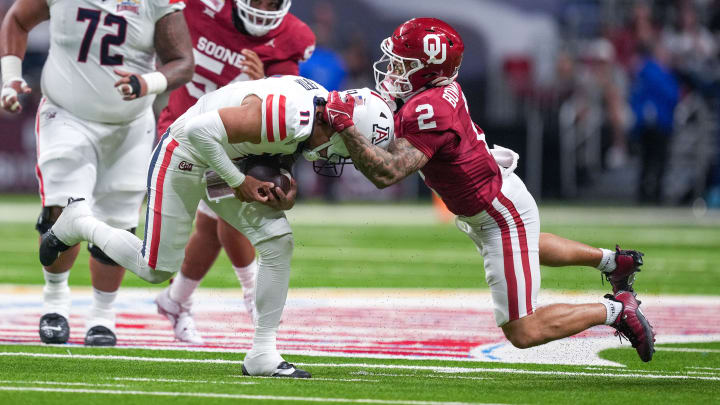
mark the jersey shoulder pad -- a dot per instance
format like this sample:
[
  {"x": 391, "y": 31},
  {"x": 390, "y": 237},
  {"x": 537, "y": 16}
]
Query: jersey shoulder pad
[
  {"x": 299, "y": 38},
  {"x": 161, "y": 8},
  {"x": 287, "y": 111},
  {"x": 427, "y": 112}
]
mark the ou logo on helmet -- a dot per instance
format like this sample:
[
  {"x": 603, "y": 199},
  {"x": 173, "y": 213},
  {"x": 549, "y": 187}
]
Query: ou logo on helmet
[{"x": 434, "y": 47}]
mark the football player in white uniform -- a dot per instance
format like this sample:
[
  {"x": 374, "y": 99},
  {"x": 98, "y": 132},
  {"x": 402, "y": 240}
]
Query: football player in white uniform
[
  {"x": 92, "y": 140},
  {"x": 278, "y": 115}
]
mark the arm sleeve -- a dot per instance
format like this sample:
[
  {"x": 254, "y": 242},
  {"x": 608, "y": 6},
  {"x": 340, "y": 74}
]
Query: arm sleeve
[{"x": 206, "y": 133}]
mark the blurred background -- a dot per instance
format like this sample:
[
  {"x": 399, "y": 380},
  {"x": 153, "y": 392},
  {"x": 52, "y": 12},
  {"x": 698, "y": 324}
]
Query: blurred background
[{"x": 607, "y": 101}]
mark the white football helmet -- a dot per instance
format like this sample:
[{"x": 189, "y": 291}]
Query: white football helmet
[
  {"x": 372, "y": 117},
  {"x": 259, "y": 22}
]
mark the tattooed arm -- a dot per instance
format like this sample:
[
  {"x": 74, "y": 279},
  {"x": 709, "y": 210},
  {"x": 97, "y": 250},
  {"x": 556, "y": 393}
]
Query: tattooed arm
[{"x": 383, "y": 168}]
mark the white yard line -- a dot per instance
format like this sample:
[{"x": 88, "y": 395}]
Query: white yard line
[
  {"x": 172, "y": 380},
  {"x": 311, "y": 379},
  {"x": 61, "y": 383},
  {"x": 687, "y": 350},
  {"x": 234, "y": 396},
  {"x": 437, "y": 369},
  {"x": 455, "y": 377},
  {"x": 703, "y": 368}
]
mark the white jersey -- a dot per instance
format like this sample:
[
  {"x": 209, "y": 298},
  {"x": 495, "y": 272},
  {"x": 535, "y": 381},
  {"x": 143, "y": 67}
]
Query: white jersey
[
  {"x": 90, "y": 38},
  {"x": 288, "y": 111}
]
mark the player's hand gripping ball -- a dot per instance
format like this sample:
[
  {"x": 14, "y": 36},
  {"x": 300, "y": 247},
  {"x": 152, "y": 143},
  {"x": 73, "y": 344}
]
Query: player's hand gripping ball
[{"x": 267, "y": 168}]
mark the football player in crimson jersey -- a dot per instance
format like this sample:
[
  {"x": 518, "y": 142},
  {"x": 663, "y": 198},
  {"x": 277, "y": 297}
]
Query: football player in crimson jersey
[
  {"x": 91, "y": 139},
  {"x": 233, "y": 40},
  {"x": 436, "y": 136}
]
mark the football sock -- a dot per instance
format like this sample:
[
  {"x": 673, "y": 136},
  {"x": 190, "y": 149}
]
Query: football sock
[
  {"x": 613, "y": 308},
  {"x": 182, "y": 288},
  {"x": 56, "y": 293},
  {"x": 246, "y": 275},
  {"x": 102, "y": 312},
  {"x": 607, "y": 263},
  {"x": 271, "y": 292}
]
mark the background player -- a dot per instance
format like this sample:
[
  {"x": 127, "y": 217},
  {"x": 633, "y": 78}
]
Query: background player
[
  {"x": 234, "y": 40},
  {"x": 436, "y": 136},
  {"x": 92, "y": 141},
  {"x": 278, "y": 115}
]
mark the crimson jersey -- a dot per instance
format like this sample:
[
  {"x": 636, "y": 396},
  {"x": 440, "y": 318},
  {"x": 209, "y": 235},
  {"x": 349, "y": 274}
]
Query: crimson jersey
[
  {"x": 460, "y": 168},
  {"x": 217, "y": 45}
]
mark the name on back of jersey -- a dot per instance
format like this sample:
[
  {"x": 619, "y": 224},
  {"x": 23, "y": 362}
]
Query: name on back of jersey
[
  {"x": 219, "y": 52},
  {"x": 451, "y": 94}
]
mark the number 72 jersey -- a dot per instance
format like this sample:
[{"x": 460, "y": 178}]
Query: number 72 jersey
[{"x": 91, "y": 38}]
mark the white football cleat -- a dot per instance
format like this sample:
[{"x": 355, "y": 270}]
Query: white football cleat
[
  {"x": 270, "y": 364},
  {"x": 180, "y": 318}
]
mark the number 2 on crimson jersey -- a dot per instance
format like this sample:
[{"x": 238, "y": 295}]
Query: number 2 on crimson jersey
[{"x": 429, "y": 113}]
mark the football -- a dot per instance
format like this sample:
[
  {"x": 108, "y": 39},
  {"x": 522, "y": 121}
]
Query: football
[{"x": 267, "y": 168}]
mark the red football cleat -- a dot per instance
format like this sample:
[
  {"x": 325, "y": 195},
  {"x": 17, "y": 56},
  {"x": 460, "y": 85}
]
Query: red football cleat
[
  {"x": 628, "y": 263},
  {"x": 632, "y": 324}
]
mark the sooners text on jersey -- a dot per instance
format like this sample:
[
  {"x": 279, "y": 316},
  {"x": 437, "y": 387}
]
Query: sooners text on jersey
[
  {"x": 461, "y": 170},
  {"x": 217, "y": 45}
]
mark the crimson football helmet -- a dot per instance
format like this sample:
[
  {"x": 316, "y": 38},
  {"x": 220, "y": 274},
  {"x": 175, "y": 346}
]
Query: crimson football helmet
[
  {"x": 421, "y": 53},
  {"x": 259, "y": 22}
]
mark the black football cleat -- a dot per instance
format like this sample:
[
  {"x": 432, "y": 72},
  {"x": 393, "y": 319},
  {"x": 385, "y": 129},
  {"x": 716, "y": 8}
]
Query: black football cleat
[
  {"x": 285, "y": 370},
  {"x": 628, "y": 263},
  {"x": 54, "y": 328},
  {"x": 100, "y": 336}
]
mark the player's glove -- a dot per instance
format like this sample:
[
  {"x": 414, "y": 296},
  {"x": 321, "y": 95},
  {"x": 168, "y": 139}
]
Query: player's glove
[{"x": 339, "y": 113}]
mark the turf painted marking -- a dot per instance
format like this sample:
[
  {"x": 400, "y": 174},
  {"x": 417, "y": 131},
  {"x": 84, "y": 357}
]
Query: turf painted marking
[
  {"x": 369, "y": 323},
  {"x": 309, "y": 379},
  {"x": 687, "y": 350},
  {"x": 234, "y": 396},
  {"x": 170, "y": 380},
  {"x": 61, "y": 383},
  {"x": 444, "y": 369}
]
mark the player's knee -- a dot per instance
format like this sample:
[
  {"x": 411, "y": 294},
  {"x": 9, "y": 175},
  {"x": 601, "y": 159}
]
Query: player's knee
[
  {"x": 276, "y": 251},
  {"x": 47, "y": 218},
  {"x": 97, "y": 254},
  {"x": 157, "y": 276},
  {"x": 521, "y": 335}
]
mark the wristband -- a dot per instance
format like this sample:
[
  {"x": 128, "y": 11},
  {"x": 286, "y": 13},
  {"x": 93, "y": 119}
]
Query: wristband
[
  {"x": 156, "y": 82},
  {"x": 135, "y": 87},
  {"x": 11, "y": 67}
]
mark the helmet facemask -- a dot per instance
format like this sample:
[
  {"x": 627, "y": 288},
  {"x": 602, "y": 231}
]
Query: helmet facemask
[
  {"x": 392, "y": 73},
  {"x": 259, "y": 22},
  {"x": 336, "y": 157}
]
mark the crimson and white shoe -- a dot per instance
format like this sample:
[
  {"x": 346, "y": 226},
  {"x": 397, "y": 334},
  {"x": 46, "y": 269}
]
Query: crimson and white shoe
[
  {"x": 632, "y": 324},
  {"x": 627, "y": 263},
  {"x": 180, "y": 318}
]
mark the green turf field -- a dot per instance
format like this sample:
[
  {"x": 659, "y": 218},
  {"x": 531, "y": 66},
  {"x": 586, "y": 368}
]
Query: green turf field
[
  {"x": 365, "y": 249},
  {"x": 681, "y": 256},
  {"x": 41, "y": 375}
]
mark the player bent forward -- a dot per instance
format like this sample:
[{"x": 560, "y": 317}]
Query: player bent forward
[
  {"x": 436, "y": 136},
  {"x": 277, "y": 115}
]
